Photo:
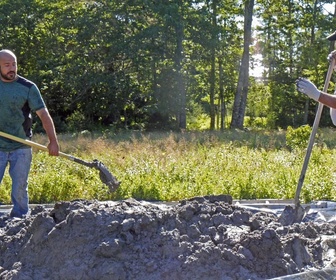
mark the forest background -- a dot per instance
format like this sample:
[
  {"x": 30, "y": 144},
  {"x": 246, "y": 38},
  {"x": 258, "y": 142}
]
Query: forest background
[
  {"x": 184, "y": 72},
  {"x": 171, "y": 64}
]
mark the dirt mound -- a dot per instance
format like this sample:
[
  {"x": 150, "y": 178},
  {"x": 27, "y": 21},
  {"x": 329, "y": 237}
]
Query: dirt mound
[{"x": 201, "y": 238}]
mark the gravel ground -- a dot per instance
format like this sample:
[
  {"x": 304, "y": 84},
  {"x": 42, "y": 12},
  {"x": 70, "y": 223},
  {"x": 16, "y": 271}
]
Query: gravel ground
[{"x": 201, "y": 238}]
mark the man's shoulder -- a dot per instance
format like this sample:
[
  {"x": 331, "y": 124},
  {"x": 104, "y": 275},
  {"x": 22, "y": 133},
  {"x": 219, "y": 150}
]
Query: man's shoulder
[{"x": 25, "y": 82}]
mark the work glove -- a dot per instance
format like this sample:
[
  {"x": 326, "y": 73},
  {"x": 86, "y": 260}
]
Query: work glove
[
  {"x": 332, "y": 56},
  {"x": 307, "y": 87},
  {"x": 333, "y": 115}
]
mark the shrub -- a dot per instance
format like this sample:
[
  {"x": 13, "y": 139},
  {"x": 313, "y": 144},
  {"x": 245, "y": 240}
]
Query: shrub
[{"x": 298, "y": 138}]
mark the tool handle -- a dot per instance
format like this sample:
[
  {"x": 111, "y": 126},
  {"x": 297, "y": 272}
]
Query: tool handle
[
  {"x": 312, "y": 135},
  {"x": 32, "y": 144},
  {"x": 105, "y": 176},
  {"x": 44, "y": 148}
]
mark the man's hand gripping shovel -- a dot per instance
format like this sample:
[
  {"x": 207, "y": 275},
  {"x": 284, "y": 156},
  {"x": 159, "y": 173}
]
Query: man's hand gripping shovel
[
  {"x": 105, "y": 176},
  {"x": 292, "y": 215}
]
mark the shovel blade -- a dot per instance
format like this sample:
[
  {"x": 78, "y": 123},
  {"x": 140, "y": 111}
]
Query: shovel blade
[
  {"x": 106, "y": 176},
  {"x": 292, "y": 215}
]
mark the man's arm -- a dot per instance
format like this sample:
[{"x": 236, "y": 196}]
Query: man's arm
[
  {"x": 49, "y": 128},
  {"x": 307, "y": 87},
  {"x": 328, "y": 99}
]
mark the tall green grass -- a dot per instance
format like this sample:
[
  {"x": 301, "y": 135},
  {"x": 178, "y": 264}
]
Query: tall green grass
[{"x": 173, "y": 166}]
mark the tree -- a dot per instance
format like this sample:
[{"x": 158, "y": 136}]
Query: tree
[
  {"x": 239, "y": 106},
  {"x": 143, "y": 64},
  {"x": 293, "y": 44}
]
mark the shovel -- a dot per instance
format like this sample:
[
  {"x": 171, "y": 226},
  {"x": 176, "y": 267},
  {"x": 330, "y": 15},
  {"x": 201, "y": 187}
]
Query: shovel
[
  {"x": 105, "y": 176},
  {"x": 292, "y": 215}
]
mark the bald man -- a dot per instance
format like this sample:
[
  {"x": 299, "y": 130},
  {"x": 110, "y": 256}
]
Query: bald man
[{"x": 20, "y": 97}]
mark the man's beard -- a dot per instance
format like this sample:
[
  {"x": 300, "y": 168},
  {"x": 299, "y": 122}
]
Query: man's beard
[{"x": 10, "y": 76}]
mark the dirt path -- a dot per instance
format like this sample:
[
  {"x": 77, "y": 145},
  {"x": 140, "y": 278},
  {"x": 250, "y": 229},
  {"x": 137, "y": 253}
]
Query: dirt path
[{"x": 201, "y": 238}]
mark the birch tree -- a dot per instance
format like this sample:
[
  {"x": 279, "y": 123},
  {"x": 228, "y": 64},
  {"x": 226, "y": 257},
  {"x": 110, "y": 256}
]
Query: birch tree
[{"x": 239, "y": 106}]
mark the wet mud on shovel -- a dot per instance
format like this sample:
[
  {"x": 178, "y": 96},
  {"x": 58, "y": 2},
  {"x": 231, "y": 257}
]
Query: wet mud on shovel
[
  {"x": 104, "y": 174},
  {"x": 292, "y": 215}
]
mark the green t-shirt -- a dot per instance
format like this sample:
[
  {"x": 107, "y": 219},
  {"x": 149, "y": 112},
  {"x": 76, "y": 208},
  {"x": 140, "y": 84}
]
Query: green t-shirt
[{"x": 17, "y": 100}]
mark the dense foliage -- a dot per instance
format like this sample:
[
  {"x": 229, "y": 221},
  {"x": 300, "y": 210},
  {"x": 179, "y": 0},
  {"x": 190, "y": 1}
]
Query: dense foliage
[
  {"x": 174, "y": 166},
  {"x": 167, "y": 64}
]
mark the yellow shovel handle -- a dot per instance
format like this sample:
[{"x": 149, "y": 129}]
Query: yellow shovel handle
[{"x": 31, "y": 143}]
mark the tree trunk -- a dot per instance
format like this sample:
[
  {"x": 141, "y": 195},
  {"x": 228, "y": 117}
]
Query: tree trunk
[
  {"x": 181, "y": 91},
  {"x": 239, "y": 104},
  {"x": 221, "y": 95},
  {"x": 212, "y": 91},
  {"x": 212, "y": 78}
]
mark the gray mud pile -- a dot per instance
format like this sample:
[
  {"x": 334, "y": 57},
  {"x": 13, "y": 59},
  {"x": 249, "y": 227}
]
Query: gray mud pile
[{"x": 201, "y": 238}]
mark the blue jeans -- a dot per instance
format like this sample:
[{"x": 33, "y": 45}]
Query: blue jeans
[{"x": 19, "y": 166}]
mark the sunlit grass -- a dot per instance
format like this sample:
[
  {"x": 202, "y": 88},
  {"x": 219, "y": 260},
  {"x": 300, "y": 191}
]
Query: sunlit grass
[{"x": 173, "y": 166}]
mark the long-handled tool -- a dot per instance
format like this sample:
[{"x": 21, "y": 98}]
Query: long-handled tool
[
  {"x": 105, "y": 176},
  {"x": 290, "y": 215}
]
